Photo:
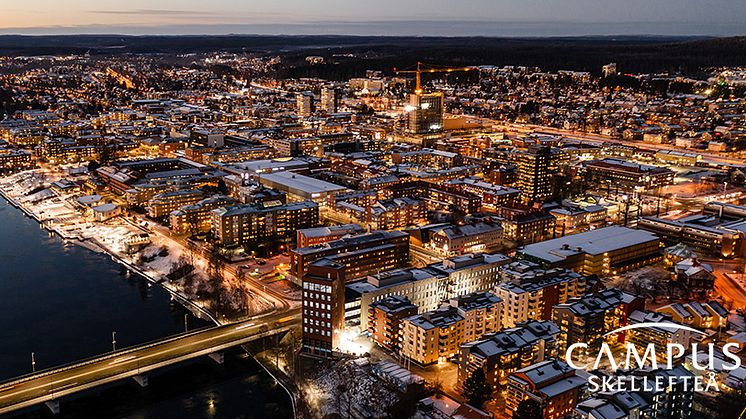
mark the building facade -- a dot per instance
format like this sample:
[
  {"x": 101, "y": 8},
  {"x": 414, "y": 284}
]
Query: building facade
[
  {"x": 259, "y": 224},
  {"x": 323, "y": 307}
]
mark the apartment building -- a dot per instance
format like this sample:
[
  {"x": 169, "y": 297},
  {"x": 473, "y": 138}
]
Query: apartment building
[
  {"x": 502, "y": 353},
  {"x": 553, "y": 384},
  {"x": 385, "y": 214},
  {"x": 491, "y": 195},
  {"x": 705, "y": 315},
  {"x": 468, "y": 238},
  {"x": 588, "y": 318},
  {"x": 529, "y": 292},
  {"x": 362, "y": 255},
  {"x": 197, "y": 218},
  {"x": 437, "y": 335},
  {"x": 527, "y": 227},
  {"x": 164, "y": 204},
  {"x": 658, "y": 336},
  {"x": 261, "y": 224},
  {"x": 14, "y": 160},
  {"x": 384, "y": 320}
]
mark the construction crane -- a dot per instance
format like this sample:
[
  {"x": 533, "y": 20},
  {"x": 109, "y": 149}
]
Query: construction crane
[{"x": 432, "y": 69}]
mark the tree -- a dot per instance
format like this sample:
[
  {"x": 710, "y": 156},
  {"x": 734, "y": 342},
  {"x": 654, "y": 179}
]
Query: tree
[
  {"x": 528, "y": 409},
  {"x": 222, "y": 187},
  {"x": 476, "y": 388},
  {"x": 92, "y": 166},
  {"x": 406, "y": 405}
]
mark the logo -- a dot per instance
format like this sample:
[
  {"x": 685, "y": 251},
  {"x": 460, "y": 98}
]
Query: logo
[{"x": 630, "y": 357}]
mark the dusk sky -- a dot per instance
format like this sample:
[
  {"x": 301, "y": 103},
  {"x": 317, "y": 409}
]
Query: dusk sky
[{"x": 426, "y": 17}]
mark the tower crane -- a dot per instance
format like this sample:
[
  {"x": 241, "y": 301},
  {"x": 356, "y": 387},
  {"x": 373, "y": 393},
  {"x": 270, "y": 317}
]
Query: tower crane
[{"x": 428, "y": 68}]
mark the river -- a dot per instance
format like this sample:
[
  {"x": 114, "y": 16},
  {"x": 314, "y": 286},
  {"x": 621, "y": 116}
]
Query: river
[{"x": 62, "y": 303}]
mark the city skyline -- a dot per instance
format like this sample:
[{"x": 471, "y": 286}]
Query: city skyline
[
  {"x": 474, "y": 18},
  {"x": 325, "y": 209}
]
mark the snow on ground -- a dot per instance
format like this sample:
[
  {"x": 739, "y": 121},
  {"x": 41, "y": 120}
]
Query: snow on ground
[
  {"x": 61, "y": 214},
  {"x": 287, "y": 289},
  {"x": 345, "y": 387},
  {"x": 649, "y": 280}
]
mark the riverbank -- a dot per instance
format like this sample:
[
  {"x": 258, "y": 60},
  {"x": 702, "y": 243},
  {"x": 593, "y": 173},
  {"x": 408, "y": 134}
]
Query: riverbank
[
  {"x": 94, "y": 245},
  {"x": 55, "y": 239}
]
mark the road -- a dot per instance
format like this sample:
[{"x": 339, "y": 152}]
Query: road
[
  {"x": 423, "y": 255},
  {"x": 53, "y": 384},
  {"x": 725, "y": 286},
  {"x": 230, "y": 273},
  {"x": 597, "y": 138}
]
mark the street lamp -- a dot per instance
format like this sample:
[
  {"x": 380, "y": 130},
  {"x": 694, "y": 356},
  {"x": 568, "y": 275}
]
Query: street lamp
[
  {"x": 113, "y": 341},
  {"x": 33, "y": 362}
]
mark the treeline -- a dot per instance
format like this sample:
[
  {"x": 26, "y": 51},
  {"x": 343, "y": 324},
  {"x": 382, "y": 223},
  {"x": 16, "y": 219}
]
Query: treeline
[
  {"x": 646, "y": 55},
  {"x": 633, "y": 54}
]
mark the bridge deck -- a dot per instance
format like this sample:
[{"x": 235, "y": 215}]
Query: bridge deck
[{"x": 55, "y": 383}]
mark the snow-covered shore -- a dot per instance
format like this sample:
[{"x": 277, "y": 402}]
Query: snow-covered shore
[{"x": 55, "y": 213}]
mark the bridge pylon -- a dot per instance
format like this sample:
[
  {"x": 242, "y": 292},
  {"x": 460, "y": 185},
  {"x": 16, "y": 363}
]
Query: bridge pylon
[
  {"x": 218, "y": 357},
  {"x": 54, "y": 406},
  {"x": 141, "y": 379}
]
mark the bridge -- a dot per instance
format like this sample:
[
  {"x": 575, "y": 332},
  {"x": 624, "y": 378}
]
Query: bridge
[{"x": 48, "y": 386}]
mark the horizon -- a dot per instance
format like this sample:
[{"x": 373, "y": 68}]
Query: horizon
[{"x": 404, "y": 28}]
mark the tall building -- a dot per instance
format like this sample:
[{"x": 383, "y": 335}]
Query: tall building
[
  {"x": 425, "y": 113},
  {"x": 323, "y": 307},
  {"x": 329, "y": 99},
  {"x": 260, "y": 224},
  {"x": 534, "y": 173},
  {"x": 305, "y": 105}
]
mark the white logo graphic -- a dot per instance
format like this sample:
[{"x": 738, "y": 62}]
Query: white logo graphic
[{"x": 632, "y": 359}]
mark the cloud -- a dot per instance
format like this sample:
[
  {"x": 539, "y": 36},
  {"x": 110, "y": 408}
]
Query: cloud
[{"x": 152, "y": 12}]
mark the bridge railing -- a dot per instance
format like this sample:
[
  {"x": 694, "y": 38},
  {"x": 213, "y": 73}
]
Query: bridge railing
[
  {"x": 101, "y": 357},
  {"x": 123, "y": 369}
]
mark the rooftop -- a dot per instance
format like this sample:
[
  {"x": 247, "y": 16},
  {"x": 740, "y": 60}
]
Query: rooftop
[
  {"x": 593, "y": 242},
  {"x": 300, "y": 182}
]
